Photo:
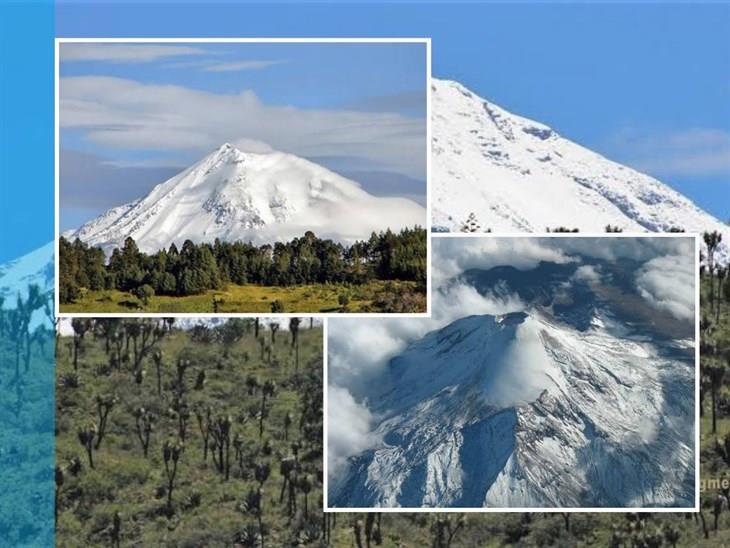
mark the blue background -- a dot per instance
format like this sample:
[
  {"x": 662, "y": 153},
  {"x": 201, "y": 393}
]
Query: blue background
[
  {"x": 26, "y": 223},
  {"x": 586, "y": 70},
  {"x": 26, "y": 127}
]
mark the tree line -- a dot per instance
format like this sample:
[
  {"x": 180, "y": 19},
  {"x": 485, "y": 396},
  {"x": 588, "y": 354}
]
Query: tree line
[
  {"x": 196, "y": 268},
  {"x": 472, "y": 224}
]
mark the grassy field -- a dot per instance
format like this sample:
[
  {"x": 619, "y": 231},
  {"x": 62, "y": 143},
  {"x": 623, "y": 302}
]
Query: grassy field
[
  {"x": 125, "y": 481},
  {"x": 207, "y": 509},
  {"x": 249, "y": 298}
]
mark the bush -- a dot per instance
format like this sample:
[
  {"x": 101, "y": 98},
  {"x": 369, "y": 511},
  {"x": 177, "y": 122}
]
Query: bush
[{"x": 144, "y": 293}]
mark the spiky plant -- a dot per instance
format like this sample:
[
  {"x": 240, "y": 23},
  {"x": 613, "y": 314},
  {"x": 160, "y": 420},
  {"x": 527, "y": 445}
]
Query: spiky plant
[
  {"x": 86, "y": 435},
  {"x": 202, "y": 415},
  {"x": 171, "y": 451},
  {"x": 144, "y": 422},
  {"x": 221, "y": 432},
  {"x": 157, "y": 357}
]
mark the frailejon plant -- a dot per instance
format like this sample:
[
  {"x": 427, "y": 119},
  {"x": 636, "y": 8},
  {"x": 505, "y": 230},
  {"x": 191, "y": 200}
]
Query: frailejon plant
[
  {"x": 144, "y": 422},
  {"x": 145, "y": 334},
  {"x": 180, "y": 410},
  {"x": 116, "y": 532},
  {"x": 80, "y": 327},
  {"x": 286, "y": 471},
  {"x": 221, "y": 446},
  {"x": 157, "y": 357},
  {"x": 262, "y": 472},
  {"x": 253, "y": 505},
  {"x": 444, "y": 529},
  {"x": 200, "y": 380},
  {"x": 252, "y": 384},
  {"x": 182, "y": 366},
  {"x": 86, "y": 435},
  {"x": 171, "y": 452},
  {"x": 294, "y": 330},
  {"x": 267, "y": 391},
  {"x": 288, "y": 419},
  {"x": 104, "y": 405},
  {"x": 148, "y": 418},
  {"x": 202, "y": 415},
  {"x": 305, "y": 485}
]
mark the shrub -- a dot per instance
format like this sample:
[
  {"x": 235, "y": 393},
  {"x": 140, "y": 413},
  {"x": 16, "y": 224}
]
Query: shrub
[{"x": 144, "y": 293}]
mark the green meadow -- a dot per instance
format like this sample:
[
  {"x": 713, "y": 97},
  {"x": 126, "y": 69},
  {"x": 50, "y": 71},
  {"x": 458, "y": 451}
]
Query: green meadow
[
  {"x": 374, "y": 296},
  {"x": 269, "y": 388}
]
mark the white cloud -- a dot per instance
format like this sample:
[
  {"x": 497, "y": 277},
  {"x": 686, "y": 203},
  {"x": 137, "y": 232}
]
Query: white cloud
[
  {"x": 695, "y": 152},
  {"x": 612, "y": 248},
  {"x": 237, "y": 66},
  {"x": 348, "y": 430},
  {"x": 456, "y": 255},
  {"x": 212, "y": 65},
  {"x": 525, "y": 371},
  {"x": 668, "y": 284},
  {"x": 123, "y": 113},
  {"x": 123, "y": 53},
  {"x": 252, "y": 145},
  {"x": 587, "y": 273},
  {"x": 359, "y": 349}
]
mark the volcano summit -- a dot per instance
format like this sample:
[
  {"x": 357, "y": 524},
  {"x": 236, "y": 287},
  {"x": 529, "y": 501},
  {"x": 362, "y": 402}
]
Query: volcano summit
[
  {"x": 574, "y": 386},
  {"x": 261, "y": 197}
]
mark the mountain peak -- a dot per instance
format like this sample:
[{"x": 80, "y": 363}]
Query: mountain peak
[
  {"x": 259, "y": 197},
  {"x": 224, "y": 152},
  {"x": 518, "y": 410},
  {"x": 519, "y": 175}
]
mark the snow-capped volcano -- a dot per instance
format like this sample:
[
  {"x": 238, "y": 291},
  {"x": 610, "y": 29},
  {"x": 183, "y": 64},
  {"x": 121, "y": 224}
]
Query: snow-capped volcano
[
  {"x": 263, "y": 197},
  {"x": 527, "y": 410},
  {"x": 35, "y": 267},
  {"x": 517, "y": 175}
]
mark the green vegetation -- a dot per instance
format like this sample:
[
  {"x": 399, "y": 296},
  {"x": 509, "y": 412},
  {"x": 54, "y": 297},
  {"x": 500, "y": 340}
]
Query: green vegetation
[
  {"x": 210, "y": 436},
  {"x": 376, "y": 295},
  {"x": 123, "y": 500},
  {"x": 197, "y": 269},
  {"x": 708, "y": 528},
  {"x": 26, "y": 419}
]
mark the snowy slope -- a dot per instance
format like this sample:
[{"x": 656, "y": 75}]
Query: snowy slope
[
  {"x": 265, "y": 197},
  {"x": 34, "y": 268},
  {"x": 524, "y": 410},
  {"x": 517, "y": 175}
]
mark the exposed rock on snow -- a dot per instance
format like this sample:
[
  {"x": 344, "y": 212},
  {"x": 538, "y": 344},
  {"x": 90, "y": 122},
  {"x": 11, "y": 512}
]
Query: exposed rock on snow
[
  {"x": 529, "y": 410},
  {"x": 517, "y": 175},
  {"x": 262, "y": 197}
]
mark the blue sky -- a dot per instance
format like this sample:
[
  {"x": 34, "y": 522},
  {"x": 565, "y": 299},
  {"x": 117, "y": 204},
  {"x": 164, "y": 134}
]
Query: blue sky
[
  {"x": 26, "y": 128},
  {"x": 646, "y": 84},
  {"x": 306, "y": 75}
]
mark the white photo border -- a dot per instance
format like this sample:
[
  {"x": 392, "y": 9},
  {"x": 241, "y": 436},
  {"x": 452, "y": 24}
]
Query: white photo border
[
  {"x": 324, "y": 40},
  {"x": 696, "y": 508}
]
